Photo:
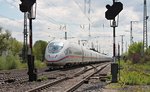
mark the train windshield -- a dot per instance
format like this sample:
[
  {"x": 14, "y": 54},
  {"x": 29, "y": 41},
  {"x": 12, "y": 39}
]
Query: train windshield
[{"x": 55, "y": 47}]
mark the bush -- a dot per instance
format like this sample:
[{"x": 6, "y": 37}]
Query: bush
[
  {"x": 131, "y": 78},
  {"x": 136, "y": 58},
  {"x": 13, "y": 62},
  {"x": 2, "y": 63},
  {"x": 10, "y": 62},
  {"x": 133, "y": 74},
  {"x": 39, "y": 64},
  {"x": 145, "y": 59}
]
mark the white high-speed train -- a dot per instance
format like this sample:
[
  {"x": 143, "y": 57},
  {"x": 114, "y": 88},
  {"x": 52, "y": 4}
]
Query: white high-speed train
[{"x": 65, "y": 53}]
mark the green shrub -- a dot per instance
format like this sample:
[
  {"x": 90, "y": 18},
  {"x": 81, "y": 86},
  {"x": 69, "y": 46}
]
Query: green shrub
[
  {"x": 145, "y": 59},
  {"x": 39, "y": 64},
  {"x": 2, "y": 63},
  {"x": 133, "y": 74},
  {"x": 130, "y": 78},
  {"x": 11, "y": 62}
]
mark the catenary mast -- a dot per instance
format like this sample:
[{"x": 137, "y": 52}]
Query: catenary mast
[{"x": 145, "y": 17}]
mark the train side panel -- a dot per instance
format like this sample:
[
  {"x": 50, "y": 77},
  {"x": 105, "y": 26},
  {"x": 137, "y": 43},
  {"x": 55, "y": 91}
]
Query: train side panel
[
  {"x": 71, "y": 54},
  {"x": 75, "y": 54}
]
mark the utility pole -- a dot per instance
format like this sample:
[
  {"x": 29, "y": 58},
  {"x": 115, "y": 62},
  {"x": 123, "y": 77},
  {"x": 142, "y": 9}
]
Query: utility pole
[
  {"x": 126, "y": 47},
  {"x": 131, "y": 29},
  {"x": 84, "y": 6},
  {"x": 122, "y": 43},
  {"x": 65, "y": 35},
  {"x": 119, "y": 59},
  {"x": 64, "y": 28},
  {"x": 145, "y": 17},
  {"x": 65, "y": 32},
  {"x": 89, "y": 12},
  {"x": 131, "y": 37}
]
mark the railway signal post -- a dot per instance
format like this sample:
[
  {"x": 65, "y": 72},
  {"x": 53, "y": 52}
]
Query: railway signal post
[
  {"x": 27, "y": 6},
  {"x": 110, "y": 14}
]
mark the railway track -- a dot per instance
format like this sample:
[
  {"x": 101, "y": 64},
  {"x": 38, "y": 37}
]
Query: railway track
[
  {"x": 19, "y": 76},
  {"x": 51, "y": 76},
  {"x": 11, "y": 76},
  {"x": 71, "y": 82},
  {"x": 56, "y": 77}
]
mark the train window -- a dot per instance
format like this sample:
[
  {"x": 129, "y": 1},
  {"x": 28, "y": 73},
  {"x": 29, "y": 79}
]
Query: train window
[
  {"x": 67, "y": 51},
  {"x": 55, "y": 47}
]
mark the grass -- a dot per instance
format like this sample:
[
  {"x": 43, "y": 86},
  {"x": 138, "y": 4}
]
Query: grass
[
  {"x": 134, "y": 74},
  {"x": 42, "y": 78},
  {"x": 39, "y": 64},
  {"x": 10, "y": 62},
  {"x": 134, "y": 78},
  {"x": 13, "y": 62}
]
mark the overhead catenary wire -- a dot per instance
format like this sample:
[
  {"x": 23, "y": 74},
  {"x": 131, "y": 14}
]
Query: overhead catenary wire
[
  {"x": 58, "y": 21},
  {"x": 11, "y": 3},
  {"x": 81, "y": 10},
  {"x": 10, "y": 18},
  {"x": 53, "y": 20}
]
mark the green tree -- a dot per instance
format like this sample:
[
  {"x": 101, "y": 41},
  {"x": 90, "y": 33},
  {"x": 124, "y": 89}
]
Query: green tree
[
  {"x": 135, "y": 48},
  {"x": 134, "y": 51},
  {"x": 15, "y": 46},
  {"x": 8, "y": 43},
  {"x": 4, "y": 40},
  {"x": 39, "y": 49}
]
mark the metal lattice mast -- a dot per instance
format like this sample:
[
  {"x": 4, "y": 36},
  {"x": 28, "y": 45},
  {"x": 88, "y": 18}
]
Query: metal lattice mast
[
  {"x": 89, "y": 12},
  {"x": 145, "y": 17},
  {"x": 25, "y": 43},
  {"x": 131, "y": 37}
]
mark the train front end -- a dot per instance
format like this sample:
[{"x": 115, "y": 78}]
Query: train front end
[{"x": 54, "y": 54}]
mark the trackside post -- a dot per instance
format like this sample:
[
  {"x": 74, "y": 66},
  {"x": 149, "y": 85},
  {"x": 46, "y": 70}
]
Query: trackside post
[
  {"x": 114, "y": 72},
  {"x": 32, "y": 72},
  {"x": 27, "y": 6}
]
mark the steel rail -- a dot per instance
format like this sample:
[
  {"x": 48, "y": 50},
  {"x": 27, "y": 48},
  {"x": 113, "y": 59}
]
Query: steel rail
[
  {"x": 77, "y": 85},
  {"x": 47, "y": 85},
  {"x": 44, "y": 86}
]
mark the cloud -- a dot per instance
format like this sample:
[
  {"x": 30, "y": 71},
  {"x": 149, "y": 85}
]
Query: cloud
[{"x": 53, "y": 14}]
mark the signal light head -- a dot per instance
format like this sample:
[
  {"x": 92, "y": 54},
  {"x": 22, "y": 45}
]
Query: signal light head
[
  {"x": 113, "y": 10},
  {"x": 26, "y": 5},
  {"x": 108, "y": 6}
]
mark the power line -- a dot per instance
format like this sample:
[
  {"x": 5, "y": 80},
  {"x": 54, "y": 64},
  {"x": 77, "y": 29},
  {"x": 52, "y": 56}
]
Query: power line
[
  {"x": 11, "y": 3},
  {"x": 10, "y": 18},
  {"x": 81, "y": 10}
]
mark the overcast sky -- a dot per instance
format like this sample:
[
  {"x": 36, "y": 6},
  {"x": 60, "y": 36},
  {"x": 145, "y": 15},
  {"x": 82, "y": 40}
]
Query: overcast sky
[{"x": 53, "y": 15}]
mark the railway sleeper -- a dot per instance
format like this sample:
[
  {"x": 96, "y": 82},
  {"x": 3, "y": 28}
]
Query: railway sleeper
[
  {"x": 10, "y": 80},
  {"x": 86, "y": 81}
]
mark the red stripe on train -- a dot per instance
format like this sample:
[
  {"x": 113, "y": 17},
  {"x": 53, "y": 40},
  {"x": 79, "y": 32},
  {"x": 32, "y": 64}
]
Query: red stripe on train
[
  {"x": 65, "y": 58},
  {"x": 69, "y": 57}
]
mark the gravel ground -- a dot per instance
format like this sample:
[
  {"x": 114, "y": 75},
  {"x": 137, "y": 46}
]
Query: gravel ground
[
  {"x": 91, "y": 87},
  {"x": 98, "y": 86},
  {"x": 134, "y": 88},
  {"x": 22, "y": 87}
]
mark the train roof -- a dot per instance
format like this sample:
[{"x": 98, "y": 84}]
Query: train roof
[{"x": 71, "y": 42}]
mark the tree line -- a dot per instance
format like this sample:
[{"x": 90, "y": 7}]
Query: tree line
[
  {"x": 11, "y": 46},
  {"x": 136, "y": 54}
]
